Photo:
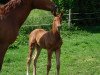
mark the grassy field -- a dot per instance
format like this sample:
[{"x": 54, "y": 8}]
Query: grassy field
[{"x": 80, "y": 55}]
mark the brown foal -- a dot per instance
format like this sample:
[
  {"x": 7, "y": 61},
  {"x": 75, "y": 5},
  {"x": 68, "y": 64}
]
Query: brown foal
[{"x": 49, "y": 40}]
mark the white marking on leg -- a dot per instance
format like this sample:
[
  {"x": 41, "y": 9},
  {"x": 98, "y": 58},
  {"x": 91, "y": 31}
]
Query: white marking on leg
[
  {"x": 27, "y": 70},
  {"x": 36, "y": 55}
]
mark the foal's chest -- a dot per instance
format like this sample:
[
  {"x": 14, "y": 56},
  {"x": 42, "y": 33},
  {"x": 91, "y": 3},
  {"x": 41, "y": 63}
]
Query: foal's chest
[{"x": 53, "y": 43}]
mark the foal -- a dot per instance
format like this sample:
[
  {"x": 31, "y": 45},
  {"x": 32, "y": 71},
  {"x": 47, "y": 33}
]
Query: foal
[{"x": 49, "y": 40}]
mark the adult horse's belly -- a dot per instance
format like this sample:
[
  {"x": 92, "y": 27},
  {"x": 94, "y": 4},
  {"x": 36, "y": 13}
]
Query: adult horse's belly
[{"x": 8, "y": 33}]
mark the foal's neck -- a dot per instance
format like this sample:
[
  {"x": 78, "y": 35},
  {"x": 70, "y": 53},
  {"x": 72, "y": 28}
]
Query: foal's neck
[
  {"x": 55, "y": 30},
  {"x": 55, "y": 33}
]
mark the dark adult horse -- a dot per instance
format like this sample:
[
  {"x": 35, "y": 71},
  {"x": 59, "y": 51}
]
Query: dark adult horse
[{"x": 12, "y": 15}]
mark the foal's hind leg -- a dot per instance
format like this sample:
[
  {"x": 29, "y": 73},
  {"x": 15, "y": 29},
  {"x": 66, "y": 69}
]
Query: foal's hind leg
[
  {"x": 58, "y": 60},
  {"x": 36, "y": 55},
  {"x": 31, "y": 47}
]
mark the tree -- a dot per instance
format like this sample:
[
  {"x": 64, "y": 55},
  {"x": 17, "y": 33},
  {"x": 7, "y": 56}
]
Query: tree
[{"x": 81, "y": 6}]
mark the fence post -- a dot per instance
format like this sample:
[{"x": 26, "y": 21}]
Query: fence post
[{"x": 69, "y": 19}]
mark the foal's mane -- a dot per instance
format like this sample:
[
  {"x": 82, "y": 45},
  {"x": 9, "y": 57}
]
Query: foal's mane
[{"x": 6, "y": 8}]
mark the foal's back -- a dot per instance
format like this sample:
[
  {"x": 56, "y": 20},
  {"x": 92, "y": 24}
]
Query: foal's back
[
  {"x": 44, "y": 39},
  {"x": 36, "y": 35}
]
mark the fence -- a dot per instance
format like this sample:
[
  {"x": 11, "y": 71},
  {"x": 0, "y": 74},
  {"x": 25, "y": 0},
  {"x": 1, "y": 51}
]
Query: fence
[
  {"x": 75, "y": 19},
  {"x": 69, "y": 18}
]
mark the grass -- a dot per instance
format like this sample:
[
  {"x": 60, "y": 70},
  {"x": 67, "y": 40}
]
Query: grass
[
  {"x": 80, "y": 52},
  {"x": 38, "y": 17},
  {"x": 80, "y": 55}
]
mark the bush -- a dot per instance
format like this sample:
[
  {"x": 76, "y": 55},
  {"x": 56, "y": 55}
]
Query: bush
[
  {"x": 21, "y": 40},
  {"x": 81, "y": 6}
]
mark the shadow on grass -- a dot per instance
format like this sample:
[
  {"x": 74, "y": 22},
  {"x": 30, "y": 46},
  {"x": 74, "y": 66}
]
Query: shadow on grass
[{"x": 92, "y": 29}]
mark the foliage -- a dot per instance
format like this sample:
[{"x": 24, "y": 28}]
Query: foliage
[
  {"x": 22, "y": 39},
  {"x": 65, "y": 4},
  {"x": 85, "y": 6},
  {"x": 81, "y": 6}
]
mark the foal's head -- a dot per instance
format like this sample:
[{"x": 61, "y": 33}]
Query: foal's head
[
  {"x": 57, "y": 22},
  {"x": 45, "y": 5}
]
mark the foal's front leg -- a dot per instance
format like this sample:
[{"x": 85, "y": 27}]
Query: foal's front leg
[
  {"x": 49, "y": 61},
  {"x": 58, "y": 60}
]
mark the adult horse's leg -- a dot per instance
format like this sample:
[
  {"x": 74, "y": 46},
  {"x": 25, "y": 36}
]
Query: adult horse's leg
[
  {"x": 49, "y": 61},
  {"x": 3, "y": 49},
  {"x": 35, "y": 57},
  {"x": 58, "y": 60},
  {"x": 31, "y": 47}
]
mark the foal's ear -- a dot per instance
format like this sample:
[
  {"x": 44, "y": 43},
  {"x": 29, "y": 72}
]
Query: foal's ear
[
  {"x": 55, "y": 13},
  {"x": 61, "y": 14}
]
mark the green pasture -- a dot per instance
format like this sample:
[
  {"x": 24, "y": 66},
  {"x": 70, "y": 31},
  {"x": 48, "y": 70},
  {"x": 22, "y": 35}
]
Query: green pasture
[{"x": 80, "y": 51}]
